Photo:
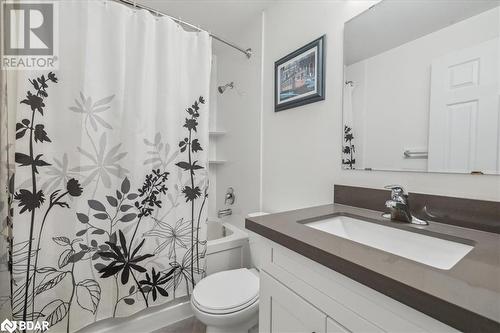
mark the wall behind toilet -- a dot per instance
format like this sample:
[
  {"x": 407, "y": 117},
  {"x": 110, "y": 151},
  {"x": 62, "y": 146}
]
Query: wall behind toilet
[{"x": 238, "y": 113}]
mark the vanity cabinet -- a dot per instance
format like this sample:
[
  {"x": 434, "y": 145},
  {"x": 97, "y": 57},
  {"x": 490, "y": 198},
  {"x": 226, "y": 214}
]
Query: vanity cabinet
[
  {"x": 300, "y": 295},
  {"x": 285, "y": 311}
]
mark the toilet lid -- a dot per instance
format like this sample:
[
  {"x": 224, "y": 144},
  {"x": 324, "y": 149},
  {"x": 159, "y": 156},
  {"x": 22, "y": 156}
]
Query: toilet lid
[{"x": 227, "y": 290}]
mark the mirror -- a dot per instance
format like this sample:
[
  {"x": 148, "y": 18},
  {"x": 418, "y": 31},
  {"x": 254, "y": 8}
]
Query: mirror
[{"x": 421, "y": 87}]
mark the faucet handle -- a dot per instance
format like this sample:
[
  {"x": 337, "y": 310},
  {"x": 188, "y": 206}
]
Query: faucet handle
[
  {"x": 229, "y": 197},
  {"x": 397, "y": 192},
  {"x": 396, "y": 188}
]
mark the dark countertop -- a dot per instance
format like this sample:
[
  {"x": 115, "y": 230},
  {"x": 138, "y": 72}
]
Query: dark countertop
[{"x": 466, "y": 297}]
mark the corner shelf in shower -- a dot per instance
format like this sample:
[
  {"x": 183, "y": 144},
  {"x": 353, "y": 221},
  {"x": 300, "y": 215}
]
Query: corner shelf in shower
[
  {"x": 216, "y": 162},
  {"x": 216, "y": 133}
]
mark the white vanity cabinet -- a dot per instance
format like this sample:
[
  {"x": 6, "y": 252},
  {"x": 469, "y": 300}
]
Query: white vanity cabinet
[
  {"x": 300, "y": 295},
  {"x": 285, "y": 311}
]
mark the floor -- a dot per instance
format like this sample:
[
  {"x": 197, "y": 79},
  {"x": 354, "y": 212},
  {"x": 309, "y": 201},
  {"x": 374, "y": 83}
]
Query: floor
[{"x": 190, "y": 325}]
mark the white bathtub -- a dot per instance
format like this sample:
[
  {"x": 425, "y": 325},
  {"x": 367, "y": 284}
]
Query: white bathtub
[{"x": 227, "y": 248}]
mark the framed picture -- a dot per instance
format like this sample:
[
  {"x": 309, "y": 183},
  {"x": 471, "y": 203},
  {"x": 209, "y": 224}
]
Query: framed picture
[{"x": 299, "y": 78}]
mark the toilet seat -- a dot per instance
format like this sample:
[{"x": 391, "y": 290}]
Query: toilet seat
[
  {"x": 226, "y": 292},
  {"x": 224, "y": 311}
]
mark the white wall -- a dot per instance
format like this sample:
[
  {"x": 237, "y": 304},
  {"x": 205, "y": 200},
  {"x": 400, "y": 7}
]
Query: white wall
[
  {"x": 212, "y": 146},
  {"x": 238, "y": 113},
  {"x": 395, "y": 85},
  {"x": 301, "y": 154}
]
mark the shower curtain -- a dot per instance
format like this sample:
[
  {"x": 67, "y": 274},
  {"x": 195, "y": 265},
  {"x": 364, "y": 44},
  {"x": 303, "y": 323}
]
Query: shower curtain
[
  {"x": 5, "y": 171},
  {"x": 109, "y": 199}
]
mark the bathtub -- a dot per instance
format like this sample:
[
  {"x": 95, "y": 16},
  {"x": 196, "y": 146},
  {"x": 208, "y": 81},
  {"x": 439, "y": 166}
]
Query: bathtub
[{"x": 227, "y": 248}]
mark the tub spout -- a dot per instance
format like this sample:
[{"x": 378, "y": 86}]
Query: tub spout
[{"x": 224, "y": 212}]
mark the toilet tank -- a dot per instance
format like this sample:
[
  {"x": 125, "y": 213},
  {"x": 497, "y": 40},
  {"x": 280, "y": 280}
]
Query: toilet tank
[{"x": 226, "y": 247}]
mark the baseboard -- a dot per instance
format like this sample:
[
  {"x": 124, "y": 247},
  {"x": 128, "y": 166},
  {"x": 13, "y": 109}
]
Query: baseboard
[{"x": 148, "y": 320}]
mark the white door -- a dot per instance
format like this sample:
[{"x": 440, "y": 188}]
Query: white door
[
  {"x": 464, "y": 108},
  {"x": 283, "y": 311}
]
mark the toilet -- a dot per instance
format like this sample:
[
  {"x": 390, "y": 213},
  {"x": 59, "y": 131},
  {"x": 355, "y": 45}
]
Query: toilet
[{"x": 228, "y": 301}]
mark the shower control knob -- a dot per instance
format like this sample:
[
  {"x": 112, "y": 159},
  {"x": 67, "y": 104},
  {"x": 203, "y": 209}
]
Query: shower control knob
[{"x": 229, "y": 198}]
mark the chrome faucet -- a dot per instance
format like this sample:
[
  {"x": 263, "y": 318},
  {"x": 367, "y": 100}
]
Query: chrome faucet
[{"x": 399, "y": 206}]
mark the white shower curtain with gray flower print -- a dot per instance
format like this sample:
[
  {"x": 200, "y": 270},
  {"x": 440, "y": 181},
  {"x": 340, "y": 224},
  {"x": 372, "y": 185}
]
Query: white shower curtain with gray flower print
[{"x": 108, "y": 203}]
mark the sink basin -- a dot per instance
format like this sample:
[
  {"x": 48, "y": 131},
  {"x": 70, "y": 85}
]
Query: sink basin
[{"x": 428, "y": 250}]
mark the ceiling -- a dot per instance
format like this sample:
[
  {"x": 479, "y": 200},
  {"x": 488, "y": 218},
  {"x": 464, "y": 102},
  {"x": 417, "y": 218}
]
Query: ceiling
[{"x": 221, "y": 17}]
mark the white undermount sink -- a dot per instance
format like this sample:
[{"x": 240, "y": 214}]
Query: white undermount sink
[{"x": 428, "y": 250}]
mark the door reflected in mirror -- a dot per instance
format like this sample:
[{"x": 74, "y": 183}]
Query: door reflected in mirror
[{"x": 421, "y": 90}]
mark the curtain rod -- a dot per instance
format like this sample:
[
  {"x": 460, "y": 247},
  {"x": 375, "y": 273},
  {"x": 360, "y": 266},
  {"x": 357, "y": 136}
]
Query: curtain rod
[{"x": 247, "y": 52}]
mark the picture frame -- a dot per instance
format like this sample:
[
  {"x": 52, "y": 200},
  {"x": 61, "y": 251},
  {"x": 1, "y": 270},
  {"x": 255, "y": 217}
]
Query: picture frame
[{"x": 299, "y": 77}]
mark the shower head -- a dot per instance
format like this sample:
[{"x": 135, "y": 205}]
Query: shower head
[{"x": 223, "y": 88}]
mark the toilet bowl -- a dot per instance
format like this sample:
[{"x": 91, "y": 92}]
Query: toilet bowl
[{"x": 227, "y": 301}]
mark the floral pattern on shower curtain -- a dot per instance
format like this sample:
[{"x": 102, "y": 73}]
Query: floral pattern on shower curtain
[
  {"x": 109, "y": 199},
  {"x": 6, "y": 170}
]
